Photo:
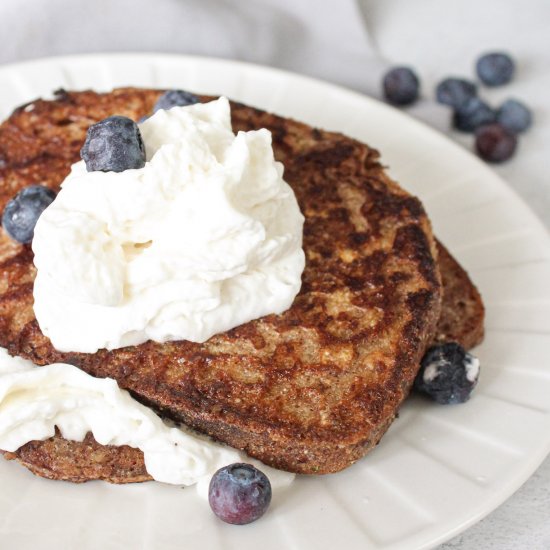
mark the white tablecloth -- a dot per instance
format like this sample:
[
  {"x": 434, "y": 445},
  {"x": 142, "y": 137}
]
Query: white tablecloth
[{"x": 350, "y": 43}]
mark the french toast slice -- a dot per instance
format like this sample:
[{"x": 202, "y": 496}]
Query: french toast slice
[
  {"x": 309, "y": 391},
  {"x": 80, "y": 461},
  {"x": 462, "y": 311},
  {"x": 461, "y": 321}
]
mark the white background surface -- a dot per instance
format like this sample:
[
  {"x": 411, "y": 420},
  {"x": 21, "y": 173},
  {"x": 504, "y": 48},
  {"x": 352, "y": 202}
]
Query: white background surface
[{"x": 328, "y": 39}]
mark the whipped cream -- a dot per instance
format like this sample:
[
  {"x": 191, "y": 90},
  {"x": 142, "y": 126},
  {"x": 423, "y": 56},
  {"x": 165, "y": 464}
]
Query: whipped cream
[
  {"x": 205, "y": 237},
  {"x": 34, "y": 400}
]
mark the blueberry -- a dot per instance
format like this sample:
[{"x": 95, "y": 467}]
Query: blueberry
[
  {"x": 113, "y": 145},
  {"x": 455, "y": 91},
  {"x": 494, "y": 143},
  {"x": 514, "y": 116},
  {"x": 175, "y": 98},
  {"x": 239, "y": 493},
  {"x": 472, "y": 114},
  {"x": 495, "y": 69},
  {"x": 448, "y": 373},
  {"x": 22, "y": 212},
  {"x": 401, "y": 86}
]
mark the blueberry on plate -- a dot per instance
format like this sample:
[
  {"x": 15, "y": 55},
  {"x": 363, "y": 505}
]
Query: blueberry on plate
[
  {"x": 22, "y": 212},
  {"x": 455, "y": 91},
  {"x": 472, "y": 114},
  {"x": 175, "y": 98},
  {"x": 113, "y": 145},
  {"x": 401, "y": 86},
  {"x": 239, "y": 493},
  {"x": 494, "y": 143},
  {"x": 495, "y": 69},
  {"x": 514, "y": 116},
  {"x": 448, "y": 373}
]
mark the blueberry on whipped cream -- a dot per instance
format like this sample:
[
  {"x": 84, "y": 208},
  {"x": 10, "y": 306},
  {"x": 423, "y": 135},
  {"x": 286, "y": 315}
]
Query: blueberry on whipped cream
[
  {"x": 113, "y": 145},
  {"x": 22, "y": 212},
  {"x": 204, "y": 237},
  {"x": 175, "y": 98},
  {"x": 448, "y": 373}
]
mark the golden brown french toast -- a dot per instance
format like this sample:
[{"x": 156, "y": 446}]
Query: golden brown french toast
[{"x": 311, "y": 390}]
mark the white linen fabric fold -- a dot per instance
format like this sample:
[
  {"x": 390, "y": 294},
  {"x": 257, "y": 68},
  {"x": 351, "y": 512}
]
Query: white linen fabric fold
[{"x": 349, "y": 42}]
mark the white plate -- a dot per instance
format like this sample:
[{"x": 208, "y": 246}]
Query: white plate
[{"x": 439, "y": 469}]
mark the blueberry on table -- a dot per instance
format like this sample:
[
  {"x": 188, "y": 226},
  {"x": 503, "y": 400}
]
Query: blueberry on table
[
  {"x": 495, "y": 69},
  {"x": 22, "y": 212},
  {"x": 448, "y": 373},
  {"x": 455, "y": 91},
  {"x": 401, "y": 86},
  {"x": 494, "y": 143},
  {"x": 113, "y": 145},
  {"x": 514, "y": 116},
  {"x": 175, "y": 98},
  {"x": 472, "y": 114},
  {"x": 239, "y": 493}
]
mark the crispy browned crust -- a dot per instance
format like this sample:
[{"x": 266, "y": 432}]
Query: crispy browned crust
[
  {"x": 311, "y": 390},
  {"x": 462, "y": 311},
  {"x": 461, "y": 321},
  {"x": 58, "y": 458}
]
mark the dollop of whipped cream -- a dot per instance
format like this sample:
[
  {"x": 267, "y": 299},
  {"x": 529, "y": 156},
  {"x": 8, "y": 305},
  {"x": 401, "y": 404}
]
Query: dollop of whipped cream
[
  {"x": 34, "y": 400},
  {"x": 205, "y": 237}
]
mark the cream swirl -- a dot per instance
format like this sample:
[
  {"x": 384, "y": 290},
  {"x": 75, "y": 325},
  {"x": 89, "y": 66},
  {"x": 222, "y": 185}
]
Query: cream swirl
[
  {"x": 36, "y": 400},
  {"x": 205, "y": 237}
]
